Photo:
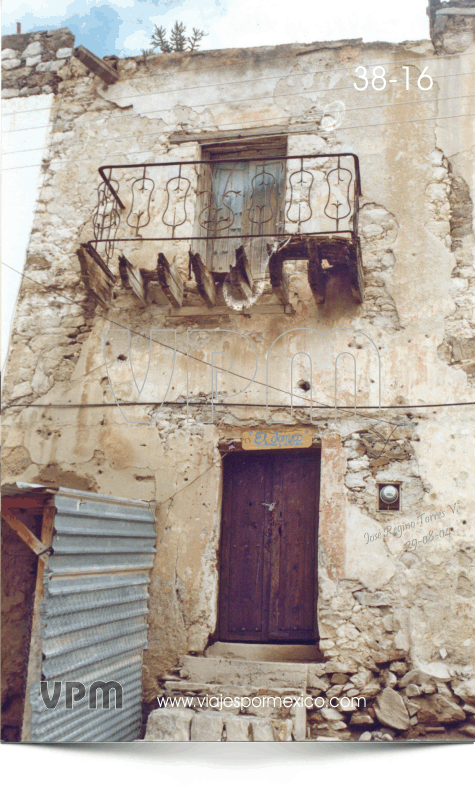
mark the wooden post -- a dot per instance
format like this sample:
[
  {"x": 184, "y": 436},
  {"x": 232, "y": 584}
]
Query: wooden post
[
  {"x": 35, "y": 656},
  {"x": 23, "y": 532},
  {"x": 204, "y": 280}
]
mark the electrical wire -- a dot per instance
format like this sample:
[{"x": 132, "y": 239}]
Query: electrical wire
[
  {"x": 311, "y": 401},
  {"x": 248, "y": 100},
  {"x": 154, "y": 134},
  {"x": 46, "y": 163},
  {"x": 230, "y": 405},
  {"x": 200, "y": 87},
  {"x": 216, "y": 463},
  {"x": 164, "y": 345}
]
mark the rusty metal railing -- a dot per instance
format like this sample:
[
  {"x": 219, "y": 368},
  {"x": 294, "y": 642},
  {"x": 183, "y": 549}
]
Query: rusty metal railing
[{"x": 224, "y": 202}]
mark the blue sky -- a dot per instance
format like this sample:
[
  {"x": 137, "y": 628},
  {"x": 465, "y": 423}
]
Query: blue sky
[{"x": 123, "y": 27}]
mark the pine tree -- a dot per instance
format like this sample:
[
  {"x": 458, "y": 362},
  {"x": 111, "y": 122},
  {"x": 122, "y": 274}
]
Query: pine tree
[{"x": 178, "y": 41}]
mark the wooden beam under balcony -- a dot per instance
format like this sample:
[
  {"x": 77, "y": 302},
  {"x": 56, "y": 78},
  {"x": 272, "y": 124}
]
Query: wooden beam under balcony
[
  {"x": 316, "y": 275},
  {"x": 204, "y": 279},
  {"x": 132, "y": 278},
  {"x": 278, "y": 276},
  {"x": 240, "y": 277},
  {"x": 170, "y": 280},
  {"x": 96, "y": 275}
]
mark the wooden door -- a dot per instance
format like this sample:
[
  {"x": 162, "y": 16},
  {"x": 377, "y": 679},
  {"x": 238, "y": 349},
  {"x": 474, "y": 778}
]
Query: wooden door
[
  {"x": 268, "y": 579},
  {"x": 248, "y": 200}
]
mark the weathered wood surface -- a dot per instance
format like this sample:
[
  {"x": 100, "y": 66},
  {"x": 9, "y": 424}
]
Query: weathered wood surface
[
  {"x": 23, "y": 532},
  {"x": 253, "y": 134},
  {"x": 170, "y": 280},
  {"x": 36, "y": 653},
  {"x": 96, "y": 275},
  {"x": 268, "y": 559},
  {"x": 95, "y": 64},
  {"x": 204, "y": 279},
  {"x": 240, "y": 276},
  {"x": 132, "y": 278},
  {"x": 278, "y": 277},
  {"x": 341, "y": 255},
  {"x": 316, "y": 275}
]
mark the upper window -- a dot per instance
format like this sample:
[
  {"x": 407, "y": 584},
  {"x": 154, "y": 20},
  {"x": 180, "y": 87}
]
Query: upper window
[{"x": 241, "y": 194}]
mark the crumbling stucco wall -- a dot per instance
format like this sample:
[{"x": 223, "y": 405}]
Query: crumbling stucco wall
[{"x": 377, "y": 598}]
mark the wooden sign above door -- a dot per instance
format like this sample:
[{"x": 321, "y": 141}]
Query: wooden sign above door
[{"x": 276, "y": 440}]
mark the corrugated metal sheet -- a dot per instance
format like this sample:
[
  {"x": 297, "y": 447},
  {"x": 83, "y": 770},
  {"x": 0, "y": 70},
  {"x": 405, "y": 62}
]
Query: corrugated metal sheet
[{"x": 94, "y": 615}]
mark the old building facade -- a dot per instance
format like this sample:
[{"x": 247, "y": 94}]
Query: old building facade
[{"x": 227, "y": 245}]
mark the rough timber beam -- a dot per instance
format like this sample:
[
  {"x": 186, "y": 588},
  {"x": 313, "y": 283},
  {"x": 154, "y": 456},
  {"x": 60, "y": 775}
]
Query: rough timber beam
[
  {"x": 23, "y": 532},
  {"x": 240, "y": 276},
  {"x": 278, "y": 277},
  {"x": 204, "y": 280},
  {"x": 132, "y": 278},
  {"x": 96, "y": 65},
  {"x": 316, "y": 276},
  {"x": 170, "y": 280},
  {"x": 97, "y": 276}
]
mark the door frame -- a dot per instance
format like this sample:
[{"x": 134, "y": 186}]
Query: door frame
[{"x": 315, "y": 451}]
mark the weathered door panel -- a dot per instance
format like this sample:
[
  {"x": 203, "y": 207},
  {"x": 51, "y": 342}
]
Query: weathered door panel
[
  {"x": 293, "y": 577},
  {"x": 268, "y": 554},
  {"x": 243, "y": 550}
]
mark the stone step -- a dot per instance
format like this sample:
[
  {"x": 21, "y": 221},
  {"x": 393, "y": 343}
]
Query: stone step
[
  {"x": 241, "y": 673},
  {"x": 194, "y": 688},
  {"x": 209, "y": 726},
  {"x": 257, "y": 652}
]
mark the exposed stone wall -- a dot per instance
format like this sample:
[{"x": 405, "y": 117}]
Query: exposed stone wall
[
  {"x": 33, "y": 63},
  {"x": 454, "y": 30},
  {"x": 379, "y": 602},
  {"x": 328, "y": 701}
]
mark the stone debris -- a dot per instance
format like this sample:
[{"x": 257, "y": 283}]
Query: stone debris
[
  {"x": 391, "y": 710},
  {"x": 365, "y": 736}
]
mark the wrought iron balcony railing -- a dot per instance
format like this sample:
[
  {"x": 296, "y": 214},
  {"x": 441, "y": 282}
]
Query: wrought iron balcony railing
[{"x": 218, "y": 206}]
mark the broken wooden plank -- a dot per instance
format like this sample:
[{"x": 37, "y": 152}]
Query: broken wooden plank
[
  {"x": 95, "y": 64},
  {"x": 240, "y": 277},
  {"x": 97, "y": 276},
  {"x": 278, "y": 277},
  {"x": 204, "y": 279},
  {"x": 131, "y": 277},
  {"x": 23, "y": 532},
  {"x": 316, "y": 275},
  {"x": 170, "y": 280}
]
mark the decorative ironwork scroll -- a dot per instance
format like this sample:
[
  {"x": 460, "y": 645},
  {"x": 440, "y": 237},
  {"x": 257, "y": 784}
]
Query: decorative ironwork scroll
[
  {"x": 139, "y": 214},
  {"x": 228, "y": 201}
]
